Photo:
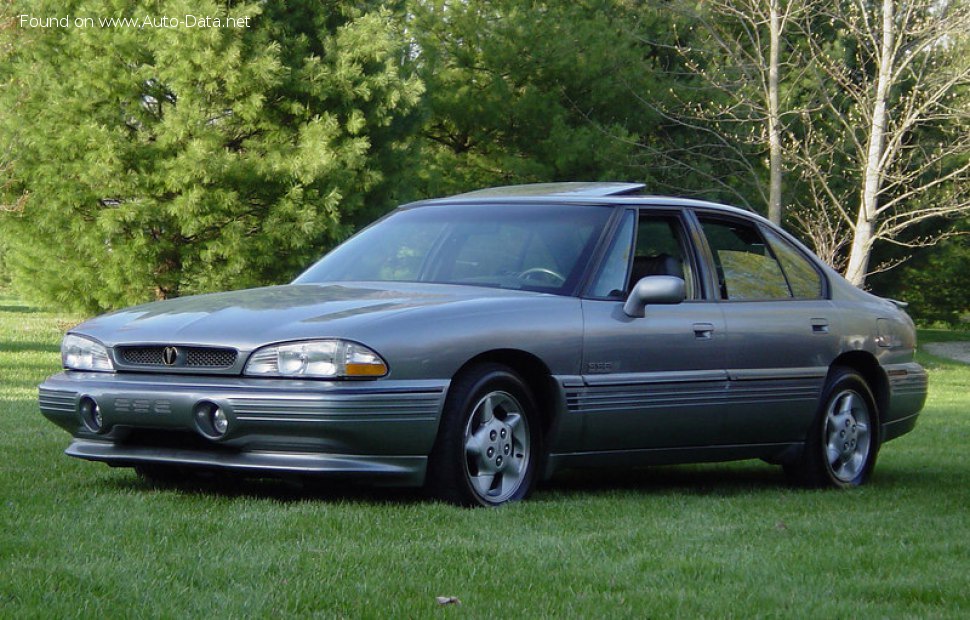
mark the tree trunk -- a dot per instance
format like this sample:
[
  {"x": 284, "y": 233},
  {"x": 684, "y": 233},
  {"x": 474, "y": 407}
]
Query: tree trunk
[
  {"x": 858, "y": 266},
  {"x": 774, "y": 122}
]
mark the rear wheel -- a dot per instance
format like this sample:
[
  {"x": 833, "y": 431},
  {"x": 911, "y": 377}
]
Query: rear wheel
[
  {"x": 842, "y": 444},
  {"x": 489, "y": 442}
]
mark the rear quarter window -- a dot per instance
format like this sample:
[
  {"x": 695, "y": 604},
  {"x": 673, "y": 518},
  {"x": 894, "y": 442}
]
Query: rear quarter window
[{"x": 803, "y": 277}]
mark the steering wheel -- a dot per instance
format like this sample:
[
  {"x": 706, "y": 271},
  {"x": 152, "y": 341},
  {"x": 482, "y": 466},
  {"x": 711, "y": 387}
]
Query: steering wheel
[{"x": 549, "y": 274}]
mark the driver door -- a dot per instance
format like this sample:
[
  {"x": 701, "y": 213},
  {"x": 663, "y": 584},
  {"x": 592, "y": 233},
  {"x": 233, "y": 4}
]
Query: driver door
[{"x": 655, "y": 381}]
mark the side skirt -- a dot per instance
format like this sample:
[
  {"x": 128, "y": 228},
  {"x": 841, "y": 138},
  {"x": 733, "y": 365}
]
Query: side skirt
[{"x": 773, "y": 453}]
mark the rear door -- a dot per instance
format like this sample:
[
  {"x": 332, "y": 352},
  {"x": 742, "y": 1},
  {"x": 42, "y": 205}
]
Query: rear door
[
  {"x": 655, "y": 381},
  {"x": 781, "y": 331}
]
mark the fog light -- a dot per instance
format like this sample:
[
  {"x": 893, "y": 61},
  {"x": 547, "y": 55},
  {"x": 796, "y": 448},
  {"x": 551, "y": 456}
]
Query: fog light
[
  {"x": 91, "y": 415},
  {"x": 211, "y": 420},
  {"x": 220, "y": 423}
]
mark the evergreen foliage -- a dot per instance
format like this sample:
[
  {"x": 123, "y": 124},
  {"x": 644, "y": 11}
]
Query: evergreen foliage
[
  {"x": 140, "y": 163},
  {"x": 521, "y": 91},
  {"x": 937, "y": 284},
  {"x": 935, "y": 281},
  {"x": 164, "y": 161}
]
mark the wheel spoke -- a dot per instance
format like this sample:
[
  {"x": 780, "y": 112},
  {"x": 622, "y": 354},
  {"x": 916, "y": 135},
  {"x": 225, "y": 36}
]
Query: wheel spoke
[
  {"x": 473, "y": 446},
  {"x": 846, "y": 405},
  {"x": 488, "y": 409},
  {"x": 483, "y": 482},
  {"x": 839, "y": 469},
  {"x": 854, "y": 464},
  {"x": 836, "y": 420},
  {"x": 831, "y": 433},
  {"x": 511, "y": 477},
  {"x": 833, "y": 454}
]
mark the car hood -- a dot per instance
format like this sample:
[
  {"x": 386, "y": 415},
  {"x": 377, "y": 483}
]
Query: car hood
[{"x": 250, "y": 318}]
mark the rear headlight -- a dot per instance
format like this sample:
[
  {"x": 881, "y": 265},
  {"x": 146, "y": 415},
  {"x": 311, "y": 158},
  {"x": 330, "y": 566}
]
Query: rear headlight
[
  {"x": 319, "y": 359},
  {"x": 79, "y": 353}
]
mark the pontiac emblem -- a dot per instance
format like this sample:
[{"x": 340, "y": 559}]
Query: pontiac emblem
[{"x": 170, "y": 355}]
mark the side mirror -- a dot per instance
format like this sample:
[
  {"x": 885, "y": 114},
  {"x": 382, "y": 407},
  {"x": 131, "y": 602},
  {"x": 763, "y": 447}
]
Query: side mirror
[{"x": 654, "y": 290}]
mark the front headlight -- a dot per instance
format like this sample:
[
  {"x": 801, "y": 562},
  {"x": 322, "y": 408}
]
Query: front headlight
[
  {"x": 79, "y": 353},
  {"x": 323, "y": 359}
]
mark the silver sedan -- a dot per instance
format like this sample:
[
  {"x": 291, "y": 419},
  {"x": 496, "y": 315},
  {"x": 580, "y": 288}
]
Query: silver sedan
[{"x": 480, "y": 343}]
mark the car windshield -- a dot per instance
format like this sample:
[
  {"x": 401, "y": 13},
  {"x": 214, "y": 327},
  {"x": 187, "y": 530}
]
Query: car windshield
[{"x": 533, "y": 247}]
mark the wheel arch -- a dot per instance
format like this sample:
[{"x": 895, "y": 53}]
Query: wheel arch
[
  {"x": 533, "y": 371},
  {"x": 811, "y": 465},
  {"x": 866, "y": 365}
]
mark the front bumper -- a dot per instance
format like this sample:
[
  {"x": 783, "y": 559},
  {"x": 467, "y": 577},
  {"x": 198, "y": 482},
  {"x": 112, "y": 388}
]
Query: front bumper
[{"x": 381, "y": 430}]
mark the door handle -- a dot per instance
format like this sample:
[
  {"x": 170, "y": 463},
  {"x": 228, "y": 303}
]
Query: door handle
[
  {"x": 820, "y": 326},
  {"x": 703, "y": 331}
]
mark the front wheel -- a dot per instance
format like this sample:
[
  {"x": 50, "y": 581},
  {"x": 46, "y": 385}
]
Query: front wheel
[
  {"x": 841, "y": 448},
  {"x": 489, "y": 442}
]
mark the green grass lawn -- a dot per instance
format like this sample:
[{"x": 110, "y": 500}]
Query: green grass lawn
[{"x": 81, "y": 539}]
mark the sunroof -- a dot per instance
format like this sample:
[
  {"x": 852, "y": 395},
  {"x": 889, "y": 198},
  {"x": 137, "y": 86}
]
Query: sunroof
[{"x": 593, "y": 190}]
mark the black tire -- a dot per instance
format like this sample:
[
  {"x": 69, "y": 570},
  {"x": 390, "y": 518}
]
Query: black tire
[
  {"x": 482, "y": 461},
  {"x": 843, "y": 441}
]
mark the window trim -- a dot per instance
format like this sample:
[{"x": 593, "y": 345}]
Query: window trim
[{"x": 600, "y": 253}]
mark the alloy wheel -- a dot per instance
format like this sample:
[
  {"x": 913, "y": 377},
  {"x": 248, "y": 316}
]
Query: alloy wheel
[{"x": 497, "y": 447}]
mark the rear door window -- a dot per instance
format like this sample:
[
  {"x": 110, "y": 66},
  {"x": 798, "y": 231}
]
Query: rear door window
[{"x": 746, "y": 266}]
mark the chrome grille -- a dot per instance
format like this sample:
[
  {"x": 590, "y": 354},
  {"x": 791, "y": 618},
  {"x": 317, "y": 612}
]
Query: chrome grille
[{"x": 188, "y": 357}]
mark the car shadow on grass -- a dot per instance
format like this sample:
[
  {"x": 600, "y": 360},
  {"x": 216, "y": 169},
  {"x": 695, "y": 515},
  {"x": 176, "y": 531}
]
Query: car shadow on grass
[
  {"x": 946, "y": 479},
  {"x": 719, "y": 480},
  {"x": 689, "y": 479},
  {"x": 288, "y": 489},
  {"x": 745, "y": 478}
]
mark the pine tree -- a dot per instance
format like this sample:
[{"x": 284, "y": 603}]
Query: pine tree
[
  {"x": 160, "y": 161},
  {"x": 521, "y": 91}
]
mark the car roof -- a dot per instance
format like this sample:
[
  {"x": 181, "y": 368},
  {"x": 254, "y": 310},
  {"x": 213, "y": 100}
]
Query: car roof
[{"x": 587, "y": 194}]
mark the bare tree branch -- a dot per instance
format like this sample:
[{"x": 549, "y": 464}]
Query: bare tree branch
[{"x": 908, "y": 121}]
